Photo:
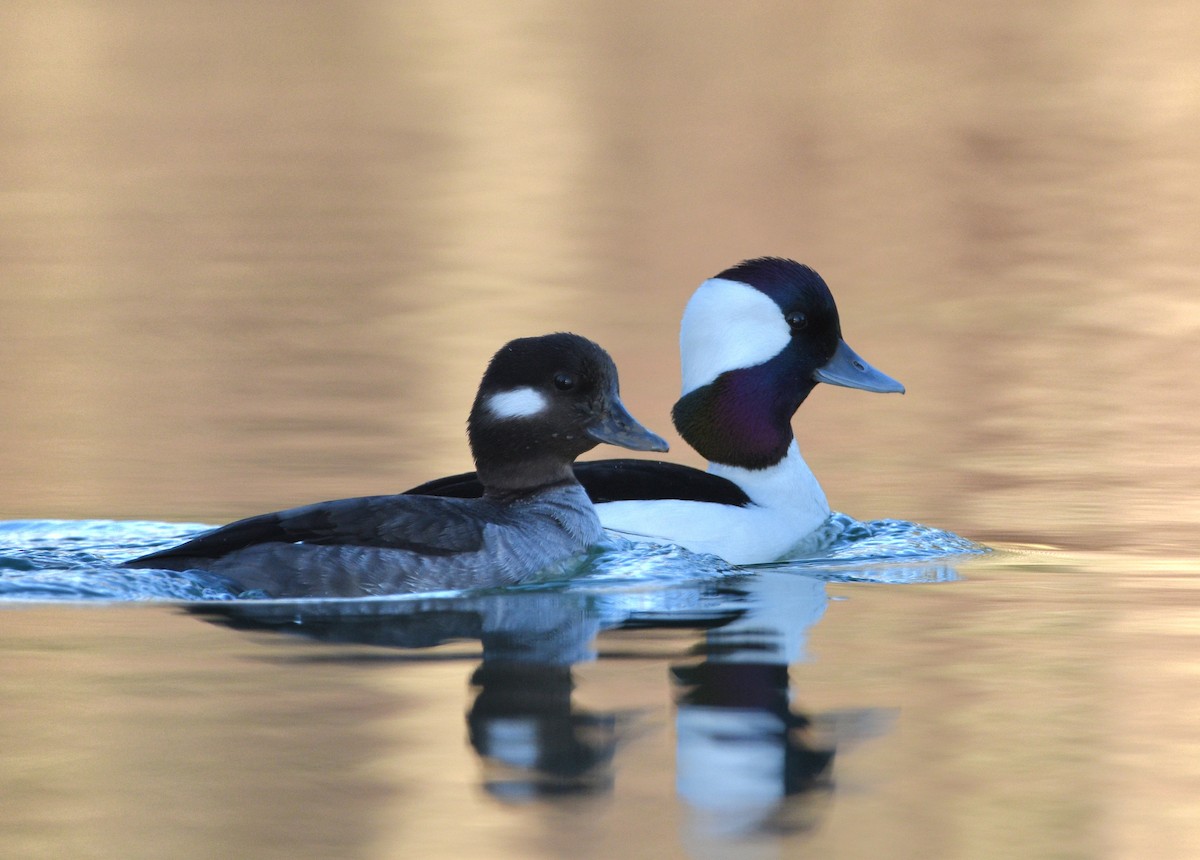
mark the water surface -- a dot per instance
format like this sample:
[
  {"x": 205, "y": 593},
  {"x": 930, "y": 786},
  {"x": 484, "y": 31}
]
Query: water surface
[{"x": 257, "y": 256}]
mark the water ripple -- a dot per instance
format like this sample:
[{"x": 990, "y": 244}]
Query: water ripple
[{"x": 54, "y": 560}]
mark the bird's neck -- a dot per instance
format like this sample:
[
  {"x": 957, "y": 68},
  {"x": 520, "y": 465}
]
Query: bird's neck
[{"x": 742, "y": 418}]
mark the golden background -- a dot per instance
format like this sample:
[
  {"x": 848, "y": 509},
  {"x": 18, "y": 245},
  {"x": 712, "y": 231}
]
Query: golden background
[{"x": 255, "y": 255}]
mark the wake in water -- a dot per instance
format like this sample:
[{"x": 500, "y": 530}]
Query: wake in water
[{"x": 76, "y": 560}]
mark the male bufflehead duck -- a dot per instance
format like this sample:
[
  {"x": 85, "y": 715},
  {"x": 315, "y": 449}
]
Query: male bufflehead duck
[
  {"x": 543, "y": 401},
  {"x": 754, "y": 341}
]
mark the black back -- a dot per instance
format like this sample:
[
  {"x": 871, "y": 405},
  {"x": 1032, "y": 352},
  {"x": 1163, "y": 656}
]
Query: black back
[{"x": 616, "y": 481}]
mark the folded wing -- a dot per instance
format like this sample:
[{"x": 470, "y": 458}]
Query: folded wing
[{"x": 430, "y": 526}]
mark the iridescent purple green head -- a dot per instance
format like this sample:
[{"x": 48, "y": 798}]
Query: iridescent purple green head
[{"x": 754, "y": 341}]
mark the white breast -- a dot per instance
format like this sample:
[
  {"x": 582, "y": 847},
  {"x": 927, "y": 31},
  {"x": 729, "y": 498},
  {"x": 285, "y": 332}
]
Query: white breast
[{"x": 787, "y": 506}]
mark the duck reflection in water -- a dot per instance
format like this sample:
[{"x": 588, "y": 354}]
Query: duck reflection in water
[
  {"x": 532, "y": 738},
  {"x": 746, "y": 760}
]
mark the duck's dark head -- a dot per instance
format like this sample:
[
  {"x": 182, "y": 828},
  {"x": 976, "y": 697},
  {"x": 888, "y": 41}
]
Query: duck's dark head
[
  {"x": 542, "y": 402},
  {"x": 754, "y": 341}
]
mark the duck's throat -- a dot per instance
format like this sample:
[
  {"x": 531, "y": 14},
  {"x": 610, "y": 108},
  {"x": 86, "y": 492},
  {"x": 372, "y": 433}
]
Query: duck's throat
[{"x": 736, "y": 421}]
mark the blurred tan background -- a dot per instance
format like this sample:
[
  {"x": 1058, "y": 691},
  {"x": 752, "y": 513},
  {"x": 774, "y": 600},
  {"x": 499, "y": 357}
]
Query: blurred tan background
[{"x": 257, "y": 255}]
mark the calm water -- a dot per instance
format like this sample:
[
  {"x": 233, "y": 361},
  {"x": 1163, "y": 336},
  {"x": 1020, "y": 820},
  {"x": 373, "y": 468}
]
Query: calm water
[{"x": 258, "y": 256}]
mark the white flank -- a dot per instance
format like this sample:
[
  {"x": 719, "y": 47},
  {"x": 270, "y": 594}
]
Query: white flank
[
  {"x": 517, "y": 403},
  {"x": 728, "y": 325},
  {"x": 788, "y": 506}
]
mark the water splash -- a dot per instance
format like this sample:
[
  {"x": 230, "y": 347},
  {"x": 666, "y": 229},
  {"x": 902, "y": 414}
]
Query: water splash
[
  {"x": 890, "y": 551},
  {"x": 892, "y": 540},
  {"x": 76, "y": 560}
]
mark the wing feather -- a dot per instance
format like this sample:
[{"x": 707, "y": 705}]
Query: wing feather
[{"x": 427, "y": 525}]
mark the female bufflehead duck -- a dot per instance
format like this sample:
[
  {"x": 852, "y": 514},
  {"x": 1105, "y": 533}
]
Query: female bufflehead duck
[
  {"x": 543, "y": 401},
  {"x": 754, "y": 341}
]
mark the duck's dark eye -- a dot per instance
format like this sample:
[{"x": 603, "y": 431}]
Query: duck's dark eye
[
  {"x": 797, "y": 320},
  {"x": 564, "y": 381}
]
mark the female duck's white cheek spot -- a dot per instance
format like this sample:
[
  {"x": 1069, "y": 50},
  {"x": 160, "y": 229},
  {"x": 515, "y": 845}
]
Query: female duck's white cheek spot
[
  {"x": 728, "y": 325},
  {"x": 517, "y": 403}
]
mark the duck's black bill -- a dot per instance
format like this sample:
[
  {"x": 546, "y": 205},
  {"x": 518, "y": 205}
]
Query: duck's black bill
[
  {"x": 848, "y": 370},
  {"x": 617, "y": 427}
]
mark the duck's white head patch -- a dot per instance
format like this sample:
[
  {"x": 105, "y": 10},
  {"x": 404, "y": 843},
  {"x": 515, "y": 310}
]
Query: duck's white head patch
[
  {"x": 728, "y": 325},
  {"x": 517, "y": 403}
]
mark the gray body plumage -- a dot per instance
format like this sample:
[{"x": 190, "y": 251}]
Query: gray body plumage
[{"x": 395, "y": 544}]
